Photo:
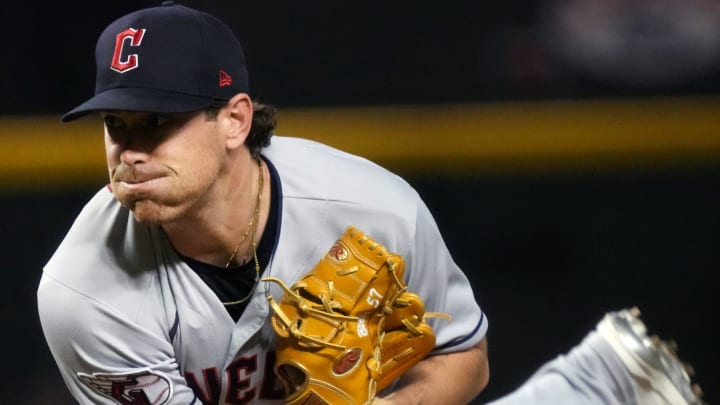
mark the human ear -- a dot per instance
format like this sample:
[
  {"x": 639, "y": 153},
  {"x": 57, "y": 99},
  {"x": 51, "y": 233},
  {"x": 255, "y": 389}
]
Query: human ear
[{"x": 240, "y": 115}]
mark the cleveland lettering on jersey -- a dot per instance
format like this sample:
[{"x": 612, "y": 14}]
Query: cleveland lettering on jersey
[{"x": 240, "y": 388}]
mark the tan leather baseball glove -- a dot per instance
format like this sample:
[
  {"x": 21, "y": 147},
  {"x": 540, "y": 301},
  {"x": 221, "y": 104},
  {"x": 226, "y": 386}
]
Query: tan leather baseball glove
[{"x": 348, "y": 328}]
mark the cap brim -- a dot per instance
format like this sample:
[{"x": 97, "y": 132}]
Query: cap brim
[{"x": 139, "y": 99}]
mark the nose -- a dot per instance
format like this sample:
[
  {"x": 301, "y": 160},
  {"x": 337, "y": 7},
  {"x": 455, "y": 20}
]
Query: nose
[
  {"x": 131, "y": 156},
  {"x": 133, "y": 149}
]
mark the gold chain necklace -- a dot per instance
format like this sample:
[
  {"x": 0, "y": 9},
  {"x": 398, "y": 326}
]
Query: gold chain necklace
[{"x": 253, "y": 226}]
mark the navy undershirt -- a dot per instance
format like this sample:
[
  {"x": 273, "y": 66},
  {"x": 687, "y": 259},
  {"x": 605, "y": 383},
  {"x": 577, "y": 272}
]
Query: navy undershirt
[{"x": 236, "y": 282}]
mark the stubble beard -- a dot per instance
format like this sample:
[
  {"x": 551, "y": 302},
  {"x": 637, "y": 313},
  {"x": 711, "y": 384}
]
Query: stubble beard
[
  {"x": 152, "y": 213},
  {"x": 150, "y": 210},
  {"x": 171, "y": 205}
]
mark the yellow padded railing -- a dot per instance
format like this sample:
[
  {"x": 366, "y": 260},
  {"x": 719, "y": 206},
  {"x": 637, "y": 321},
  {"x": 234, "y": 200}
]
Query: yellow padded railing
[{"x": 449, "y": 139}]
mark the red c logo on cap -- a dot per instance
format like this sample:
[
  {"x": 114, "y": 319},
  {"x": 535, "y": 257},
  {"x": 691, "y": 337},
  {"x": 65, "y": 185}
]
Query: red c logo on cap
[{"x": 131, "y": 62}]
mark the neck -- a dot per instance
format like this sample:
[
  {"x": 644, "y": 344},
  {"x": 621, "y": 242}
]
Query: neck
[{"x": 227, "y": 223}]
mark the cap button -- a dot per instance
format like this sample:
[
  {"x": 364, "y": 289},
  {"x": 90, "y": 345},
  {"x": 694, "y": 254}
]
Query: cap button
[{"x": 168, "y": 3}]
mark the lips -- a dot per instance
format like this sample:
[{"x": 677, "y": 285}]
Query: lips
[
  {"x": 134, "y": 176},
  {"x": 137, "y": 181}
]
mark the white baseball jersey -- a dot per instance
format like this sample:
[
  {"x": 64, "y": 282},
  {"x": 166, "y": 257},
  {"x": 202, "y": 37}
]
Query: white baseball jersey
[{"x": 128, "y": 321}]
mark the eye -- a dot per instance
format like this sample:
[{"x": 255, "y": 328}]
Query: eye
[
  {"x": 114, "y": 123},
  {"x": 157, "y": 120}
]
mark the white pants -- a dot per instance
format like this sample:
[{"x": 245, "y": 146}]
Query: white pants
[{"x": 590, "y": 374}]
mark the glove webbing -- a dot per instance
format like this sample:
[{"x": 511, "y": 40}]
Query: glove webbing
[
  {"x": 326, "y": 312},
  {"x": 310, "y": 309}
]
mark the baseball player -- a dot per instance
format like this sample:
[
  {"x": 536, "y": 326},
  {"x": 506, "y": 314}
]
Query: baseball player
[{"x": 156, "y": 294}]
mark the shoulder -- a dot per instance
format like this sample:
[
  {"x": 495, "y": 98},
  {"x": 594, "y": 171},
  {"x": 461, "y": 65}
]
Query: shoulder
[
  {"x": 99, "y": 228},
  {"x": 325, "y": 190},
  {"x": 103, "y": 252},
  {"x": 309, "y": 169}
]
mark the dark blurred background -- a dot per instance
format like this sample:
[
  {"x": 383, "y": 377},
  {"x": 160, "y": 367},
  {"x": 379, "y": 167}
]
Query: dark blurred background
[{"x": 549, "y": 251}]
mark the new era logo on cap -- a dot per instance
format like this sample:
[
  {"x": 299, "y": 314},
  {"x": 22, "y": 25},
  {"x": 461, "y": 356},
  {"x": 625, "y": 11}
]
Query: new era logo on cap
[
  {"x": 225, "y": 79},
  {"x": 167, "y": 59}
]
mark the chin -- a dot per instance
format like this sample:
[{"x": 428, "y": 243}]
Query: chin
[
  {"x": 151, "y": 213},
  {"x": 145, "y": 208}
]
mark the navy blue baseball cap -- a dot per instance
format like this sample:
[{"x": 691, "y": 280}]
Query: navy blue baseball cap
[{"x": 165, "y": 59}]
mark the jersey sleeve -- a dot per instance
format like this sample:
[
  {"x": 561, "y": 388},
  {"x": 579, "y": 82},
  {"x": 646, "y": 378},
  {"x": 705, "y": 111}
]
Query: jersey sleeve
[
  {"x": 444, "y": 287},
  {"x": 104, "y": 357}
]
